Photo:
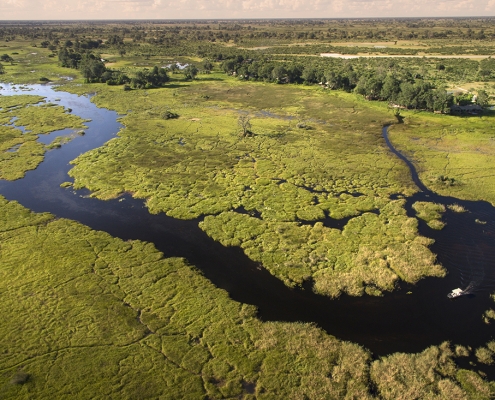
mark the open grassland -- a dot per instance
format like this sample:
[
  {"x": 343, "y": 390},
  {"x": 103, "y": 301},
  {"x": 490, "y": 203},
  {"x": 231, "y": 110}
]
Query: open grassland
[
  {"x": 86, "y": 315},
  {"x": 20, "y": 151},
  {"x": 267, "y": 192},
  {"x": 454, "y": 155},
  {"x": 31, "y": 63}
]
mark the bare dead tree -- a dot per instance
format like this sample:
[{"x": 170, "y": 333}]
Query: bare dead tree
[{"x": 244, "y": 122}]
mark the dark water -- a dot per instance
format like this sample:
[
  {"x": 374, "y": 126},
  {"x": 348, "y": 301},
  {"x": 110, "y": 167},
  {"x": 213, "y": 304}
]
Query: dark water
[{"x": 395, "y": 322}]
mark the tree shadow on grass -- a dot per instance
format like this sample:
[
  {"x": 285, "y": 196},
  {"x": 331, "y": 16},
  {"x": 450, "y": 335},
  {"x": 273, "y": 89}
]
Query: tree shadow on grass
[
  {"x": 209, "y": 79},
  {"x": 175, "y": 86}
]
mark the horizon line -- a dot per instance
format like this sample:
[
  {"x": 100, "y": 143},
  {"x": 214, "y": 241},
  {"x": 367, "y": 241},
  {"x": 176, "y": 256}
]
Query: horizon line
[{"x": 248, "y": 19}]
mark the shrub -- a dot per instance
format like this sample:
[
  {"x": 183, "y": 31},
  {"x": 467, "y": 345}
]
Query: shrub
[
  {"x": 484, "y": 355},
  {"x": 19, "y": 378},
  {"x": 170, "y": 115}
]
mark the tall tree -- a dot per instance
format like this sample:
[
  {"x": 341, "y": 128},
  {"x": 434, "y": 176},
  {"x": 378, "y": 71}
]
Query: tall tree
[
  {"x": 390, "y": 89},
  {"x": 309, "y": 74},
  {"x": 91, "y": 67},
  {"x": 6, "y": 58},
  {"x": 207, "y": 66},
  {"x": 244, "y": 122},
  {"x": 190, "y": 72},
  {"x": 483, "y": 98},
  {"x": 279, "y": 73},
  {"x": 442, "y": 100}
]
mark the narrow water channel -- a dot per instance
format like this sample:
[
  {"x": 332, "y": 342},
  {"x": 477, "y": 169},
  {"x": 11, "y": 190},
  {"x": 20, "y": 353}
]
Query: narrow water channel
[{"x": 397, "y": 321}]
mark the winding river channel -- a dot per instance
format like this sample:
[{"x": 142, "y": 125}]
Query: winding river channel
[{"x": 398, "y": 321}]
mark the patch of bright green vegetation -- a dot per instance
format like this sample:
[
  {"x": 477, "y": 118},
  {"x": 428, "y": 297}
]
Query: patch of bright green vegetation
[
  {"x": 85, "y": 313},
  {"x": 454, "y": 155},
  {"x": 20, "y": 152},
  {"x": 431, "y": 213},
  {"x": 485, "y": 354},
  {"x": 461, "y": 351},
  {"x": 488, "y": 316},
  {"x": 46, "y": 118},
  {"x": 430, "y": 374},
  {"x": 59, "y": 141},
  {"x": 32, "y": 63},
  {"x": 79, "y": 300},
  {"x": 474, "y": 386},
  {"x": 370, "y": 254},
  {"x": 457, "y": 208},
  {"x": 199, "y": 164},
  {"x": 9, "y": 102}
]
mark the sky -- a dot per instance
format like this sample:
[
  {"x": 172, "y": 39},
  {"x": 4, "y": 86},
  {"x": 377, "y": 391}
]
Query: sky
[{"x": 225, "y": 9}]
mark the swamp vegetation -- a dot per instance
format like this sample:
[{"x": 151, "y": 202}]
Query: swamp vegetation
[
  {"x": 284, "y": 180},
  {"x": 312, "y": 194},
  {"x": 92, "y": 314},
  {"x": 20, "y": 150}
]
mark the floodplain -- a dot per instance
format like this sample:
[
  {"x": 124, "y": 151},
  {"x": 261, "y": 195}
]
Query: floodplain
[{"x": 308, "y": 190}]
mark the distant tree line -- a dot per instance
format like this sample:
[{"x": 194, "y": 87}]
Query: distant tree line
[
  {"x": 477, "y": 29},
  {"x": 384, "y": 80},
  {"x": 93, "y": 70}
]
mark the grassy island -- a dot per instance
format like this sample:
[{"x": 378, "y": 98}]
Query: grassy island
[{"x": 19, "y": 150}]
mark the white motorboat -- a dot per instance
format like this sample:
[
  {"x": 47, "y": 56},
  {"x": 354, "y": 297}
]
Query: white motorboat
[{"x": 456, "y": 293}]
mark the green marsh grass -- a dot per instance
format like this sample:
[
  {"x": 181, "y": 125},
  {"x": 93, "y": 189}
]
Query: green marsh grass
[
  {"x": 484, "y": 355},
  {"x": 83, "y": 301},
  {"x": 430, "y": 374},
  {"x": 198, "y": 165},
  {"x": 431, "y": 213},
  {"x": 474, "y": 386},
  {"x": 86, "y": 315},
  {"x": 456, "y": 208},
  {"x": 453, "y": 154},
  {"x": 371, "y": 251},
  {"x": 20, "y": 152},
  {"x": 489, "y": 316}
]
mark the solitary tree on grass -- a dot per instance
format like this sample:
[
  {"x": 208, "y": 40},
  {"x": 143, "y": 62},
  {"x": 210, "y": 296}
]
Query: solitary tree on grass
[
  {"x": 7, "y": 58},
  {"x": 244, "y": 122},
  {"x": 190, "y": 72},
  {"x": 207, "y": 66}
]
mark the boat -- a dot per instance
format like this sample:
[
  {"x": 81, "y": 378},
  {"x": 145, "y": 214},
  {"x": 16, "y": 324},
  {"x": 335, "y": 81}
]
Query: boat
[{"x": 456, "y": 293}]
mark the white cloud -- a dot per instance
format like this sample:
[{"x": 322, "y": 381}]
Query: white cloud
[
  {"x": 167, "y": 9},
  {"x": 12, "y": 3}
]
